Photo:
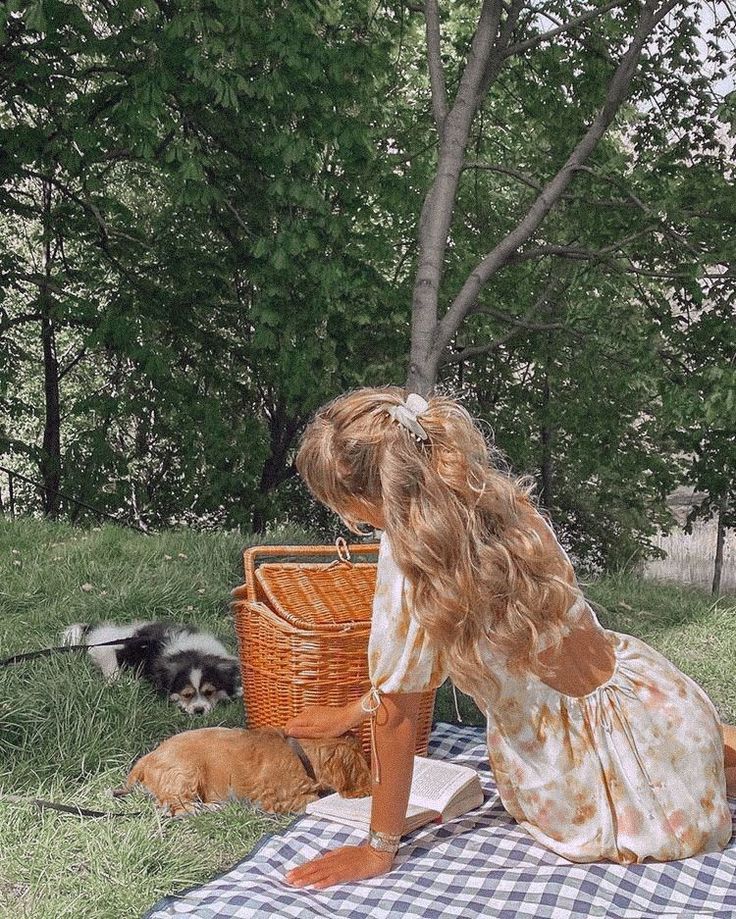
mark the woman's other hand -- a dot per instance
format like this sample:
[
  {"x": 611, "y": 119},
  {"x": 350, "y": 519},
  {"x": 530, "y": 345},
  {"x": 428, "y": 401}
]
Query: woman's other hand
[
  {"x": 325, "y": 720},
  {"x": 351, "y": 863}
]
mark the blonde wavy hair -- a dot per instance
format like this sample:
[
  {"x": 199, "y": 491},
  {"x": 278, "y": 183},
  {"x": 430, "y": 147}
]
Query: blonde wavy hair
[{"x": 481, "y": 560}]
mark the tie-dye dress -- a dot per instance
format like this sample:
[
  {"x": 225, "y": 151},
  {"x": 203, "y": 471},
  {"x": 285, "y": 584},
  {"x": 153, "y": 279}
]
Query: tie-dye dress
[{"x": 633, "y": 770}]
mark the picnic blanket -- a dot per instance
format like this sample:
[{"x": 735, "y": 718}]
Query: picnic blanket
[{"x": 480, "y": 865}]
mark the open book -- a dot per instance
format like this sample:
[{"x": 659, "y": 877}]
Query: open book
[{"x": 439, "y": 791}]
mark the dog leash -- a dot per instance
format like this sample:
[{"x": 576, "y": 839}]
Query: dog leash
[
  {"x": 41, "y": 803},
  {"x": 63, "y": 649},
  {"x": 65, "y": 808}
]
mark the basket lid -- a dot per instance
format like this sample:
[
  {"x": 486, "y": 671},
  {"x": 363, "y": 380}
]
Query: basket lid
[{"x": 314, "y": 595}]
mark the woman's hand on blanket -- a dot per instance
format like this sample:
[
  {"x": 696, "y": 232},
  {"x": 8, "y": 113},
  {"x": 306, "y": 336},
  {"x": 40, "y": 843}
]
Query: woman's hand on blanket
[
  {"x": 324, "y": 720},
  {"x": 351, "y": 863}
]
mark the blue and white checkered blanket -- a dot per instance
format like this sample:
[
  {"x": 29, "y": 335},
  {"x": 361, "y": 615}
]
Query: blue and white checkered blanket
[{"x": 481, "y": 865}]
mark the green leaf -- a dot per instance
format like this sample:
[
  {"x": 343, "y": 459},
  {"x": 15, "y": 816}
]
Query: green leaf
[{"x": 35, "y": 17}]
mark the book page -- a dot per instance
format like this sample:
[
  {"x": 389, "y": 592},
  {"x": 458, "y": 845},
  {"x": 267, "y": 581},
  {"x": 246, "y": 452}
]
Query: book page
[
  {"x": 352, "y": 811},
  {"x": 436, "y": 783}
]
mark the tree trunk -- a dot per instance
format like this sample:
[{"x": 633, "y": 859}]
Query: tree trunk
[
  {"x": 720, "y": 540},
  {"x": 268, "y": 481},
  {"x": 492, "y": 45},
  {"x": 436, "y": 217},
  {"x": 50, "y": 465},
  {"x": 275, "y": 471},
  {"x": 51, "y": 450},
  {"x": 546, "y": 493},
  {"x": 277, "y": 468}
]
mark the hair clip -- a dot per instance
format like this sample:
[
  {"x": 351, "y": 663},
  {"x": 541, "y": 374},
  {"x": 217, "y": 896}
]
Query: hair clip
[{"x": 407, "y": 414}]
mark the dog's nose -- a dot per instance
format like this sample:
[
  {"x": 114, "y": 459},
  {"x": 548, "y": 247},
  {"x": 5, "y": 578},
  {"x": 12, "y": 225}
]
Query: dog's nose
[{"x": 198, "y": 709}]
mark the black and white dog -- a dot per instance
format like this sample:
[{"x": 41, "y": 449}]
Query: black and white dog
[{"x": 191, "y": 667}]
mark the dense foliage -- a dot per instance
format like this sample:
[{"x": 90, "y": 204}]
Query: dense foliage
[{"x": 209, "y": 211}]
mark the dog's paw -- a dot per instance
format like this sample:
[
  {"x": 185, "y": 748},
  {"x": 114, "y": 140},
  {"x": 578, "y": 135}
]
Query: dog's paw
[
  {"x": 201, "y": 807},
  {"x": 178, "y": 809}
]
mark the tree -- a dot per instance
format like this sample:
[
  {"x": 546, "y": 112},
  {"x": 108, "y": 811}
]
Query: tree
[
  {"x": 235, "y": 191},
  {"x": 196, "y": 163},
  {"x": 603, "y": 46},
  {"x": 562, "y": 225},
  {"x": 702, "y": 410}
]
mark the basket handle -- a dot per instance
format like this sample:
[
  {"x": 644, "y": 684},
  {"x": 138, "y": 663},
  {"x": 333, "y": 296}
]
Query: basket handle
[
  {"x": 343, "y": 549},
  {"x": 253, "y": 556}
]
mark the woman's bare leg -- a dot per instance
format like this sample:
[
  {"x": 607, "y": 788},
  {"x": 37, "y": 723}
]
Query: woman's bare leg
[{"x": 729, "y": 757}]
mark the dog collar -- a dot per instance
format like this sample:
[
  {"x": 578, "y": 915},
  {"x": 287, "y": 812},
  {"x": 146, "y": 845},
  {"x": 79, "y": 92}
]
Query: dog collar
[{"x": 299, "y": 750}]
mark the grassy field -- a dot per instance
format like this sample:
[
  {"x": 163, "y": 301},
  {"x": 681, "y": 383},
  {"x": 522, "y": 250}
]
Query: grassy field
[{"x": 65, "y": 736}]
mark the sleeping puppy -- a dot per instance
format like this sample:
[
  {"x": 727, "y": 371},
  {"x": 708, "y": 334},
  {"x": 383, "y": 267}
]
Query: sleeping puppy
[
  {"x": 212, "y": 765},
  {"x": 192, "y": 668}
]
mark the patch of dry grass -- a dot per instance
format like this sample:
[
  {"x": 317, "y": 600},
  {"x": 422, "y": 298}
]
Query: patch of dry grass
[{"x": 690, "y": 558}]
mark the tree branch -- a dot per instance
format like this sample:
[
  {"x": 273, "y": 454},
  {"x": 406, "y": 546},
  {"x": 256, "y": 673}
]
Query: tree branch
[
  {"x": 524, "y": 323},
  {"x": 21, "y": 319},
  {"x": 508, "y": 171},
  {"x": 672, "y": 233},
  {"x": 473, "y": 351},
  {"x": 565, "y": 27},
  {"x": 529, "y": 180},
  {"x": 513, "y": 11},
  {"x": 617, "y": 91},
  {"x": 576, "y": 252},
  {"x": 585, "y": 42},
  {"x": 38, "y": 280},
  {"x": 72, "y": 363},
  {"x": 85, "y": 204},
  {"x": 519, "y": 325},
  {"x": 506, "y": 30},
  {"x": 438, "y": 88},
  {"x": 630, "y": 200}
]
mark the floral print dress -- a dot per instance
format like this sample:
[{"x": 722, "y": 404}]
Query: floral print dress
[{"x": 633, "y": 770}]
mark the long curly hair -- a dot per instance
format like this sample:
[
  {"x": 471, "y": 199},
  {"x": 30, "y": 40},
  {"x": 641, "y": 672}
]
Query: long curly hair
[{"x": 482, "y": 561}]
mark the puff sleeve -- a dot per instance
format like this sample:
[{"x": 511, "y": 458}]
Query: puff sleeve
[{"x": 400, "y": 656}]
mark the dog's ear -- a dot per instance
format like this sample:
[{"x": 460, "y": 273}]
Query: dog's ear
[
  {"x": 346, "y": 770},
  {"x": 230, "y": 675},
  {"x": 162, "y": 675}
]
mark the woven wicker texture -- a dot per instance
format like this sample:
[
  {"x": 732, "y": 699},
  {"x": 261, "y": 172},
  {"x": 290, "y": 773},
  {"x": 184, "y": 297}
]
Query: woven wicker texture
[
  {"x": 331, "y": 597},
  {"x": 303, "y": 629}
]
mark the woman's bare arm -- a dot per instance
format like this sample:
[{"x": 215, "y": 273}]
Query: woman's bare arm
[
  {"x": 396, "y": 723},
  {"x": 396, "y": 728}
]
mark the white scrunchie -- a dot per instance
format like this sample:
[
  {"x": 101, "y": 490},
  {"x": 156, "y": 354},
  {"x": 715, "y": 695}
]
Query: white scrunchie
[{"x": 408, "y": 412}]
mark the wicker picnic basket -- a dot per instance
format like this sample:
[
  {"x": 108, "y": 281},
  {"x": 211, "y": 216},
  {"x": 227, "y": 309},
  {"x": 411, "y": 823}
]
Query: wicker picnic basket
[{"x": 303, "y": 618}]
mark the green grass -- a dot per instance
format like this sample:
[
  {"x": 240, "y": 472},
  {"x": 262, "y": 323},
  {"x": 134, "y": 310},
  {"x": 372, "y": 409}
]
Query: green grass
[{"x": 67, "y": 737}]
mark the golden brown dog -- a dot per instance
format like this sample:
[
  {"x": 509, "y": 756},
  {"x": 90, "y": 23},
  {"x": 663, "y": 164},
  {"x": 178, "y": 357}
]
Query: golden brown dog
[{"x": 211, "y": 765}]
